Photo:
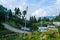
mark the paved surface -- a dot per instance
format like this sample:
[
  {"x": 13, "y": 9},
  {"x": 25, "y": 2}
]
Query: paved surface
[{"x": 14, "y": 29}]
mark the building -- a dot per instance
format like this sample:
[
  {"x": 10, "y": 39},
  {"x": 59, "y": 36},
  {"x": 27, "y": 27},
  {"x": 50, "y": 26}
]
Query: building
[
  {"x": 42, "y": 29},
  {"x": 56, "y": 23},
  {"x": 50, "y": 25}
]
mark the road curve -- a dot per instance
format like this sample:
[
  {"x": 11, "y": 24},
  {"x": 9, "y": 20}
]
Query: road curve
[{"x": 14, "y": 29}]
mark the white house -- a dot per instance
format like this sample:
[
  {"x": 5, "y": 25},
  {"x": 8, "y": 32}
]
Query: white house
[
  {"x": 42, "y": 29},
  {"x": 56, "y": 23},
  {"x": 50, "y": 26}
]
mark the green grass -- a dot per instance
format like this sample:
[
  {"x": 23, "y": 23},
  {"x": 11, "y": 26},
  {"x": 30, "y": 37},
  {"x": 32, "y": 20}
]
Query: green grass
[
  {"x": 16, "y": 37},
  {"x": 10, "y": 38},
  {"x": 26, "y": 37},
  {"x": 12, "y": 23},
  {"x": 4, "y": 31}
]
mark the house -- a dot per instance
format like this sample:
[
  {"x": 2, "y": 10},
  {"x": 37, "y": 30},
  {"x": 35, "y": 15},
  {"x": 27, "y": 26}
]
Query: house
[
  {"x": 42, "y": 29},
  {"x": 50, "y": 26},
  {"x": 56, "y": 23}
]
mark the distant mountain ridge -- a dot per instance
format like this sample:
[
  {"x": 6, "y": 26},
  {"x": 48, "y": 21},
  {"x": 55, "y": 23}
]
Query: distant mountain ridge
[{"x": 50, "y": 17}]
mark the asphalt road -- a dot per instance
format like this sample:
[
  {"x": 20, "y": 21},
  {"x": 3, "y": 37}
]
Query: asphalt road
[{"x": 14, "y": 29}]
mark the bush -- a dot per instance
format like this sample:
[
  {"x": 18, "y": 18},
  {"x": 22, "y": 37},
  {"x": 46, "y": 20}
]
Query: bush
[{"x": 1, "y": 27}]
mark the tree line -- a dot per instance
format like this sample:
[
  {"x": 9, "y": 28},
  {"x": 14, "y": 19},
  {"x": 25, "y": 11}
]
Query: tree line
[{"x": 7, "y": 15}]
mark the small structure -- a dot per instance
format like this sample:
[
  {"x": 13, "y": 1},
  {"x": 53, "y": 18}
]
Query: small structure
[
  {"x": 56, "y": 23},
  {"x": 53, "y": 29},
  {"x": 50, "y": 26},
  {"x": 42, "y": 29}
]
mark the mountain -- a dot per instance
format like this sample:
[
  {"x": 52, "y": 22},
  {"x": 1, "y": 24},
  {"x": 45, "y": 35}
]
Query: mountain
[{"x": 50, "y": 17}]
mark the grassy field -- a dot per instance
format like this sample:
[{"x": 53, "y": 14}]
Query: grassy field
[
  {"x": 35, "y": 36},
  {"x": 26, "y": 37},
  {"x": 4, "y": 31},
  {"x": 12, "y": 23},
  {"x": 10, "y": 38}
]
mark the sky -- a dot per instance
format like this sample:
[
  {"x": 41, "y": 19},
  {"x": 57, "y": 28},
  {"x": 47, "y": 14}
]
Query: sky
[{"x": 38, "y": 8}]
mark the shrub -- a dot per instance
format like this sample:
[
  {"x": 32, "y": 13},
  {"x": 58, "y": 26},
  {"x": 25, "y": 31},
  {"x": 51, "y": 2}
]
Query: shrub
[{"x": 1, "y": 27}]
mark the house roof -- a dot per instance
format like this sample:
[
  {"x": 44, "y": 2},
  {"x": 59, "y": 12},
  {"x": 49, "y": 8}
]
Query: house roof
[
  {"x": 42, "y": 28},
  {"x": 57, "y": 23}
]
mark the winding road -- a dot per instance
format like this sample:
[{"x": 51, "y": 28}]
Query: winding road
[{"x": 14, "y": 29}]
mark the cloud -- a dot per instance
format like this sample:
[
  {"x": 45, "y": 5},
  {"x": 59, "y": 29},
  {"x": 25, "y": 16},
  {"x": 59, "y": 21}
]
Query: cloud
[
  {"x": 51, "y": 10},
  {"x": 11, "y": 4},
  {"x": 39, "y": 13},
  {"x": 54, "y": 9},
  {"x": 36, "y": 8}
]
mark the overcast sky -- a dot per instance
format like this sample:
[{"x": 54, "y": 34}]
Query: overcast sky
[{"x": 36, "y": 8}]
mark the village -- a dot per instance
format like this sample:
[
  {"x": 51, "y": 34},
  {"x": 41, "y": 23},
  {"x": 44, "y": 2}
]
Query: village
[
  {"x": 51, "y": 26},
  {"x": 29, "y": 19}
]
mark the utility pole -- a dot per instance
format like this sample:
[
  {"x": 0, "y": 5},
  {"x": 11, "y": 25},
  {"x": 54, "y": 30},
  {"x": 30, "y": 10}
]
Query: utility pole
[
  {"x": 25, "y": 25},
  {"x": 25, "y": 20}
]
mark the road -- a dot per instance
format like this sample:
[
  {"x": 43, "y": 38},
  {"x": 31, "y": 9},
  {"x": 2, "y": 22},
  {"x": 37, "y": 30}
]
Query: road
[{"x": 14, "y": 29}]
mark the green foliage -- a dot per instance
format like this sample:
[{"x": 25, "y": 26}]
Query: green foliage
[
  {"x": 17, "y": 11},
  {"x": 45, "y": 19},
  {"x": 1, "y": 27},
  {"x": 4, "y": 31},
  {"x": 9, "y": 14},
  {"x": 10, "y": 38},
  {"x": 35, "y": 36},
  {"x": 32, "y": 22},
  {"x": 39, "y": 19},
  {"x": 24, "y": 12},
  {"x": 2, "y": 13},
  {"x": 12, "y": 23},
  {"x": 33, "y": 19},
  {"x": 59, "y": 29},
  {"x": 57, "y": 18}
]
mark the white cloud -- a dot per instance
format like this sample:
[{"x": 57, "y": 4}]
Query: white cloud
[
  {"x": 39, "y": 13},
  {"x": 52, "y": 10},
  {"x": 34, "y": 9},
  {"x": 11, "y": 4}
]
